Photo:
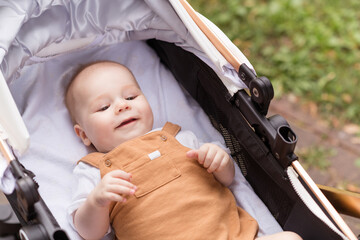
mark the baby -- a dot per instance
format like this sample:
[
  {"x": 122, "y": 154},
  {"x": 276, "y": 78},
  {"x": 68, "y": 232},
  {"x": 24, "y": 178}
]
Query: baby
[{"x": 146, "y": 184}]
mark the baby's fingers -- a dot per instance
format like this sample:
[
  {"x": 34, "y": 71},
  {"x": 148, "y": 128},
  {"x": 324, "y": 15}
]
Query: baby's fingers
[
  {"x": 122, "y": 182},
  {"x": 214, "y": 165},
  {"x": 120, "y": 174},
  {"x": 121, "y": 189},
  {"x": 104, "y": 193},
  {"x": 192, "y": 154},
  {"x": 113, "y": 197},
  {"x": 202, "y": 154},
  {"x": 218, "y": 158},
  {"x": 224, "y": 164}
]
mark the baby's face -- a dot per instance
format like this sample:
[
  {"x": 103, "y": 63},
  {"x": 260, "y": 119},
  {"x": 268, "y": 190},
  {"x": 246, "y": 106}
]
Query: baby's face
[{"x": 110, "y": 108}]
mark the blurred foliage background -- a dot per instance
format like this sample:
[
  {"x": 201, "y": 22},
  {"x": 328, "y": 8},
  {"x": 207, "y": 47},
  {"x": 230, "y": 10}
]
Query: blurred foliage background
[{"x": 307, "y": 48}]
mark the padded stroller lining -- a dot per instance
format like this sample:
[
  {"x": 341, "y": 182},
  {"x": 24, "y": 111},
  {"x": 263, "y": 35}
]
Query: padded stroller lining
[
  {"x": 46, "y": 29},
  {"x": 54, "y": 148},
  {"x": 52, "y": 22}
]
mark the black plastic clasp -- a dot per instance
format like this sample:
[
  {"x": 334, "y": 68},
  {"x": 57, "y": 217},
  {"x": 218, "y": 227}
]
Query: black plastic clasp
[
  {"x": 35, "y": 217},
  {"x": 261, "y": 89},
  {"x": 274, "y": 131},
  {"x": 284, "y": 142},
  {"x": 26, "y": 191}
]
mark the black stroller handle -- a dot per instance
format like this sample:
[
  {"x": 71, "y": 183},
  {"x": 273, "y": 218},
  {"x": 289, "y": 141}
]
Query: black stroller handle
[{"x": 34, "y": 215}]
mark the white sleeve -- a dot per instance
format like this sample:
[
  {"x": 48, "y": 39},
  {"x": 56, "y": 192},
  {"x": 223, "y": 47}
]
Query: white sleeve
[
  {"x": 188, "y": 139},
  {"x": 86, "y": 177}
]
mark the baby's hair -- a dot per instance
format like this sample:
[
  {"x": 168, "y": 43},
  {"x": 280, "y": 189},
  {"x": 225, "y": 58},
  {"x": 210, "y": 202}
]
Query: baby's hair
[{"x": 76, "y": 73}]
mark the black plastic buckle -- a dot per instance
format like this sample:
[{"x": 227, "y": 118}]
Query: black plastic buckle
[{"x": 261, "y": 89}]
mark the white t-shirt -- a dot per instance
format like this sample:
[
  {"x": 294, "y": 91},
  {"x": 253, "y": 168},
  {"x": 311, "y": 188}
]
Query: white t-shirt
[{"x": 87, "y": 176}]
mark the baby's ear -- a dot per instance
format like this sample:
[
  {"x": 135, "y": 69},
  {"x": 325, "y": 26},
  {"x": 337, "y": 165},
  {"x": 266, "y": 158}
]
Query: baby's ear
[{"x": 82, "y": 135}]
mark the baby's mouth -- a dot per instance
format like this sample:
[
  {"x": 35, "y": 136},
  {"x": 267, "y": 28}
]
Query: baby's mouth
[{"x": 126, "y": 122}]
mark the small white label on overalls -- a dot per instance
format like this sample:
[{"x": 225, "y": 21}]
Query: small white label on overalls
[{"x": 154, "y": 155}]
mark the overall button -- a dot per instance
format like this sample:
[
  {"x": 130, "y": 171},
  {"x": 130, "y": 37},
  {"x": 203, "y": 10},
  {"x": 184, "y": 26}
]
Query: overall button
[
  {"x": 163, "y": 137},
  {"x": 108, "y": 162}
]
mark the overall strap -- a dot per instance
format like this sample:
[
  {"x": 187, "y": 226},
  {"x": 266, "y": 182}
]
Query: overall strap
[
  {"x": 92, "y": 159},
  {"x": 171, "y": 128}
]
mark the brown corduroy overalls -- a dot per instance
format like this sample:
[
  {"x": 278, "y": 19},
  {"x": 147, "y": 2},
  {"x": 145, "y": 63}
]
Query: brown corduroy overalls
[{"x": 176, "y": 197}]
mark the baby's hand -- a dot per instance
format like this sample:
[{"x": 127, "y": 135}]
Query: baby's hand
[
  {"x": 216, "y": 161},
  {"x": 114, "y": 186},
  {"x": 211, "y": 156}
]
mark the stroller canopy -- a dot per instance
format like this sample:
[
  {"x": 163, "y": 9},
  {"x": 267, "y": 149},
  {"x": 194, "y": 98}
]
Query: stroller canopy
[{"x": 36, "y": 31}]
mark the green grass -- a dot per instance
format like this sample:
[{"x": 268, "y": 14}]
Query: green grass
[
  {"x": 316, "y": 156},
  {"x": 357, "y": 163},
  {"x": 308, "y": 48}
]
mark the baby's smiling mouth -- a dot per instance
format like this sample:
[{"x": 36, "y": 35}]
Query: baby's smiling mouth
[{"x": 126, "y": 122}]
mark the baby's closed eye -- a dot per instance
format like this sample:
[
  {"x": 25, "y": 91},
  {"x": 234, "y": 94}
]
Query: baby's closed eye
[
  {"x": 131, "y": 97},
  {"x": 103, "y": 108}
]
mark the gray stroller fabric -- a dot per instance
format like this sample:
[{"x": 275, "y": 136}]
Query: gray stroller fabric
[{"x": 36, "y": 25}]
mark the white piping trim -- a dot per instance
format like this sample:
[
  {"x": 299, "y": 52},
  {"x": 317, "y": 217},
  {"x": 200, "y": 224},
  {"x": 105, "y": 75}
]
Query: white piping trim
[
  {"x": 310, "y": 202},
  {"x": 11, "y": 121}
]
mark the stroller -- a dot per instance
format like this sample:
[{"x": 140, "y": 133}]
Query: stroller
[{"x": 40, "y": 43}]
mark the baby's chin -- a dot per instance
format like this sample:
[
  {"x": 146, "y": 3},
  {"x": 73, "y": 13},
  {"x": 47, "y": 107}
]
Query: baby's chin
[
  {"x": 106, "y": 149},
  {"x": 116, "y": 142}
]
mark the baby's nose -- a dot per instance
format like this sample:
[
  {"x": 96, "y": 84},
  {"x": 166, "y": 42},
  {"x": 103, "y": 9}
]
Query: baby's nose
[{"x": 122, "y": 105}]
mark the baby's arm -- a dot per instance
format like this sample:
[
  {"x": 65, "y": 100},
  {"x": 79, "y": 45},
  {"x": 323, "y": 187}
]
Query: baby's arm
[
  {"x": 91, "y": 220},
  {"x": 216, "y": 161}
]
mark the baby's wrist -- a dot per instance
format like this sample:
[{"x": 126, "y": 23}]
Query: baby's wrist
[{"x": 97, "y": 202}]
